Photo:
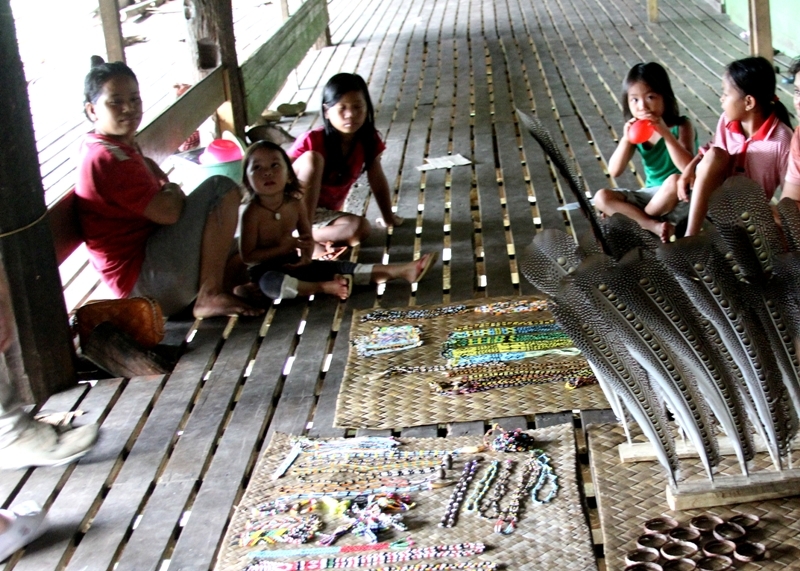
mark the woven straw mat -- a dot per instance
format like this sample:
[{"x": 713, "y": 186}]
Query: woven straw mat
[
  {"x": 552, "y": 537},
  {"x": 368, "y": 400},
  {"x": 629, "y": 494}
]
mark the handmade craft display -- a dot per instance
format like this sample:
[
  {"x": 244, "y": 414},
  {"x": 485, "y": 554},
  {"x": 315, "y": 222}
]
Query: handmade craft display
[
  {"x": 705, "y": 328},
  {"x": 284, "y": 532}
]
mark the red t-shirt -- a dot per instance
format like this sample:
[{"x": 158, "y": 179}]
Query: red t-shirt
[
  {"x": 337, "y": 179},
  {"x": 114, "y": 187}
]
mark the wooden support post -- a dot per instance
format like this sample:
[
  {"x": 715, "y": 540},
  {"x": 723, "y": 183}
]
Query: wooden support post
[
  {"x": 760, "y": 29},
  {"x": 112, "y": 30},
  {"x": 652, "y": 10},
  {"x": 26, "y": 244},
  {"x": 284, "y": 10},
  {"x": 325, "y": 38},
  {"x": 212, "y": 42}
]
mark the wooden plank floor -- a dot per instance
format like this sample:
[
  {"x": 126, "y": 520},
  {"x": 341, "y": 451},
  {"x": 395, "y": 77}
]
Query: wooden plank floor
[{"x": 176, "y": 452}]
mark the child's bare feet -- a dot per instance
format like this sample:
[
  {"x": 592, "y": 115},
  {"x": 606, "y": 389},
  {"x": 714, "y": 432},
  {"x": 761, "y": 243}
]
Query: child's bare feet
[
  {"x": 340, "y": 286},
  {"x": 213, "y": 305},
  {"x": 666, "y": 231}
]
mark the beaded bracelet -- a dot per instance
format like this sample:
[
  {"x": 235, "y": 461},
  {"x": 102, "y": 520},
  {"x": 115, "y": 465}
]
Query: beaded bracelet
[
  {"x": 461, "y": 566},
  {"x": 436, "y": 551},
  {"x": 457, "y": 497},
  {"x": 314, "y": 551},
  {"x": 387, "y": 339}
]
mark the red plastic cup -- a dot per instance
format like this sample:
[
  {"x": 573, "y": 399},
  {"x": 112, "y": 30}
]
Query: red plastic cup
[
  {"x": 640, "y": 131},
  {"x": 221, "y": 151}
]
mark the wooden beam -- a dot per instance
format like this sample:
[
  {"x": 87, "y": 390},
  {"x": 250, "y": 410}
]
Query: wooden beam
[
  {"x": 112, "y": 30},
  {"x": 643, "y": 451},
  {"x": 760, "y": 29},
  {"x": 728, "y": 490},
  {"x": 284, "y": 10},
  {"x": 165, "y": 133},
  {"x": 26, "y": 245},
  {"x": 652, "y": 10}
]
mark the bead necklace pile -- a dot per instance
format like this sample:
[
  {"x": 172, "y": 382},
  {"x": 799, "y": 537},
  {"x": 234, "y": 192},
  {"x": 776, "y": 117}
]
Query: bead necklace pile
[
  {"x": 398, "y": 314},
  {"x": 457, "y": 497},
  {"x": 388, "y": 339},
  {"x": 506, "y": 341},
  {"x": 519, "y": 306},
  {"x": 507, "y": 520},
  {"x": 283, "y": 529},
  {"x": 316, "y": 551},
  {"x": 372, "y": 559},
  {"x": 513, "y": 441},
  {"x": 479, "y": 378}
]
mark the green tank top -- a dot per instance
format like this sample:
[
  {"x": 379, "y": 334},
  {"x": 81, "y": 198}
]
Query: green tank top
[{"x": 657, "y": 163}]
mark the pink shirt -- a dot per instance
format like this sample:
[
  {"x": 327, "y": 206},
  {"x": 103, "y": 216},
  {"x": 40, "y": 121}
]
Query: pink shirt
[
  {"x": 793, "y": 171},
  {"x": 113, "y": 189},
  {"x": 337, "y": 179},
  {"x": 763, "y": 157}
]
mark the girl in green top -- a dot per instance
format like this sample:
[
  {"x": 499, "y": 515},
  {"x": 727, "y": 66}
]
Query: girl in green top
[{"x": 647, "y": 94}]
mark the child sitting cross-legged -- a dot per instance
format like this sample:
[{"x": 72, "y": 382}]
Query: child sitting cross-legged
[{"x": 276, "y": 241}]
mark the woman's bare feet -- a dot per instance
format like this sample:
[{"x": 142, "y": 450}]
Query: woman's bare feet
[{"x": 220, "y": 304}]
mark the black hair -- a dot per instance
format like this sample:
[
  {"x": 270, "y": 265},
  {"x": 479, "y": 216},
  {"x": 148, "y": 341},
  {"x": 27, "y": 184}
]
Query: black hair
[
  {"x": 755, "y": 76},
  {"x": 656, "y": 77},
  {"x": 336, "y": 88},
  {"x": 292, "y": 188},
  {"x": 100, "y": 74}
]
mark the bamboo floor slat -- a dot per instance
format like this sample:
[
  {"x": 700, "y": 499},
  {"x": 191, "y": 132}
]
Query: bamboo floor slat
[{"x": 176, "y": 453}]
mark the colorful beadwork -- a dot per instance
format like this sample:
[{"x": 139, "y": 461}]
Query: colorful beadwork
[
  {"x": 435, "y": 551},
  {"x": 478, "y": 378},
  {"x": 518, "y": 306},
  {"x": 492, "y": 508},
  {"x": 316, "y": 551},
  {"x": 280, "y": 529},
  {"x": 388, "y": 339},
  {"x": 398, "y": 314},
  {"x": 457, "y": 497},
  {"x": 474, "y": 500},
  {"x": 505, "y": 441},
  {"x": 461, "y": 566}
]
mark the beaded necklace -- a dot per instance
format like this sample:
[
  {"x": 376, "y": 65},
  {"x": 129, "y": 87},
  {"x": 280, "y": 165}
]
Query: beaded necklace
[
  {"x": 507, "y": 521},
  {"x": 513, "y": 441},
  {"x": 492, "y": 508},
  {"x": 371, "y": 559},
  {"x": 519, "y": 306},
  {"x": 283, "y": 529},
  {"x": 475, "y": 498},
  {"x": 397, "y": 314},
  {"x": 457, "y": 497},
  {"x": 461, "y": 566},
  {"x": 344, "y": 492},
  {"x": 314, "y": 551},
  {"x": 480, "y": 378}
]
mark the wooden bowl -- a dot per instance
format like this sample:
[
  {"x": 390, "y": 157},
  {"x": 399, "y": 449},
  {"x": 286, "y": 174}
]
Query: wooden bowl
[
  {"x": 684, "y": 533},
  {"x": 729, "y": 532},
  {"x": 678, "y": 550},
  {"x": 719, "y": 547},
  {"x": 679, "y": 565},
  {"x": 715, "y": 563},
  {"x": 654, "y": 540},
  {"x": 705, "y": 523},
  {"x": 642, "y": 555},
  {"x": 660, "y": 525},
  {"x": 747, "y": 551},
  {"x": 747, "y": 521}
]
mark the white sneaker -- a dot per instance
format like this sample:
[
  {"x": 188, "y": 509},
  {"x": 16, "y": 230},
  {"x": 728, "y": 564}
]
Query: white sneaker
[
  {"x": 40, "y": 445},
  {"x": 23, "y": 523}
]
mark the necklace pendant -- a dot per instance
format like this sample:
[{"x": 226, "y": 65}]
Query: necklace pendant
[{"x": 277, "y": 215}]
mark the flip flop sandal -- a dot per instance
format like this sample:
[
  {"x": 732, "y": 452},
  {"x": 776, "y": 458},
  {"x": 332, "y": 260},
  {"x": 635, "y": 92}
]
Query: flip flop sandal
[
  {"x": 271, "y": 115},
  {"x": 292, "y": 109},
  {"x": 428, "y": 265},
  {"x": 334, "y": 254}
]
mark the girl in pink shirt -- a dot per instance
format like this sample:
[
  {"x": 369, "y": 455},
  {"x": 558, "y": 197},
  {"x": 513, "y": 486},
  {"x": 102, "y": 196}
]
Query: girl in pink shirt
[{"x": 752, "y": 139}]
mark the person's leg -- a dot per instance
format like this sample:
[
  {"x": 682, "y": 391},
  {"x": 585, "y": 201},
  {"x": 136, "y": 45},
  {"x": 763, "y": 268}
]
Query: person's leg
[
  {"x": 13, "y": 419},
  {"x": 19, "y": 526},
  {"x": 710, "y": 173},
  {"x": 215, "y": 252},
  {"x": 410, "y": 272},
  {"x": 346, "y": 230},
  {"x": 665, "y": 199},
  {"x": 309, "y": 168},
  {"x": 278, "y": 285},
  {"x": 611, "y": 202}
]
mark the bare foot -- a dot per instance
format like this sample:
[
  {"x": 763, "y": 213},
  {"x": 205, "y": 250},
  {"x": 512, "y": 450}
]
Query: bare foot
[
  {"x": 666, "y": 231},
  {"x": 249, "y": 291},
  {"x": 340, "y": 286},
  {"x": 213, "y": 305}
]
